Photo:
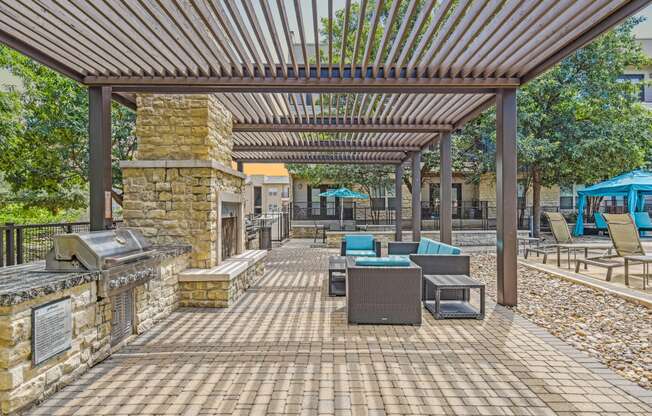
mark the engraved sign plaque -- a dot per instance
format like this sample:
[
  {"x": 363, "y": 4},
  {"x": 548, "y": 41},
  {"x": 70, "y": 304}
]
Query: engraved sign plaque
[{"x": 51, "y": 329}]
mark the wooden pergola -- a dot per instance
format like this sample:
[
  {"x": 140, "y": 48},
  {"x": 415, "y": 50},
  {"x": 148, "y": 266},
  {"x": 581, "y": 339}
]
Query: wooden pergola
[{"x": 396, "y": 83}]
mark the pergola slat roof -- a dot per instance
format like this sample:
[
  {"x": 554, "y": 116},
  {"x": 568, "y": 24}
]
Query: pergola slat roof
[{"x": 292, "y": 90}]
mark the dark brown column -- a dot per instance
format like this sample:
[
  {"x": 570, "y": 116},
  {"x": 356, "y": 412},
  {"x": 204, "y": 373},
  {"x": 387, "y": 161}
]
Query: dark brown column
[
  {"x": 445, "y": 190},
  {"x": 398, "y": 202},
  {"x": 506, "y": 186},
  {"x": 240, "y": 166},
  {"x": 100, "y": 176},
  {"x": 416, "y": 196}
]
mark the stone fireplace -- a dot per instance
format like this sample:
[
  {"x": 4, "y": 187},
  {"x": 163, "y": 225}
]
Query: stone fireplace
[
  {"x": 231, "y": 208},
  {"x": 175, "y": 189},
  {"x": 183, "y": 189}
]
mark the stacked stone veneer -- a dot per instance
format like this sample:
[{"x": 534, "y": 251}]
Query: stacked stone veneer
[
  {"x": 172, "y": 192},
  {"x": 183, "y": 127},
  {"x": 22, "y": 383},
  {"x": 220, "y": 293},
  {"x": 159, "y": 297}
]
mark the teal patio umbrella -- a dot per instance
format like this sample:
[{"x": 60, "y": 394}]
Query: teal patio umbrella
[{"x": 343, "y": 193}]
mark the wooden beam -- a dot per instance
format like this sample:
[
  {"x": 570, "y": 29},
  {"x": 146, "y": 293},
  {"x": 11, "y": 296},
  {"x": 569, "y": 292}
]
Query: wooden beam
[
  {"x": 398, "y": 203},
  {"x": 322, "y": 161},
  {"x": 506, "y": 201},
  {"x": 628, "y": 9},
  {"x": 40, "y": 57},
  {"x": 323, "y": 148},
  {"x": 445, "y": 190},
  {"x": 100, "y": 175},
  {"x": 339, "y": 124},
  {"x": 124, "y": 100},
  {"x": 416, "y": 196},
  {"x": 349, "y": 84}
]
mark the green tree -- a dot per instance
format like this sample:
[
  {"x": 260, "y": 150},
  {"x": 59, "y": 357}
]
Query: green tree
[
  {"x": 45, "y": 161},
  {"x": 577, "y": 123},
  {"x": 365, "y": 178}
]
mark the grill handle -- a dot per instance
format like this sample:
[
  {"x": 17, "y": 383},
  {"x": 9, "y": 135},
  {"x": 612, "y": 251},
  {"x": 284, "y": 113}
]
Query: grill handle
[{"x": 113, "y": 261}]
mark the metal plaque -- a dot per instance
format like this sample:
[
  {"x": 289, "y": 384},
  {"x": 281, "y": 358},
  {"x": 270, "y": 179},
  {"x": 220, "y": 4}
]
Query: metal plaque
[{"x": 51, "y": 329}]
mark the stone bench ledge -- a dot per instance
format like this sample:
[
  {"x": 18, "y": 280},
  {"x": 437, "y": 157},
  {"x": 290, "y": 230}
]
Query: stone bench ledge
[
  {"x": 222, "y": 273},
  {"x": 225, "y": 271},
  {"x": 250, "y": 256}
]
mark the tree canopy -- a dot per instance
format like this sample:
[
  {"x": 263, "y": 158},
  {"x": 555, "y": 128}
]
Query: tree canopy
[
  {"x": 44, "y": 136},
  {"x": 577, "y": 123}
]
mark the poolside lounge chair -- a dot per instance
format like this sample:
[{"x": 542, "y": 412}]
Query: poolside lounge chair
[
  {"x": 643, "y": 221},
  {"x": 564, "y": 241},
  {"x": 624, "y": 234},
  {"x": 600, "y": 223}
]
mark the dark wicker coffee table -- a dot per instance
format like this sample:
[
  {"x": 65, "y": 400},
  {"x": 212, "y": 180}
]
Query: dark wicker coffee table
[
  {"x": 337, "y": 276},
  {"x": 443, "y": 309}
]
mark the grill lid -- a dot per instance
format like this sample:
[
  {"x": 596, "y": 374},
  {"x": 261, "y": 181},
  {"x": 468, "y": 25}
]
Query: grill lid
[{"x": 96, "y": 250}]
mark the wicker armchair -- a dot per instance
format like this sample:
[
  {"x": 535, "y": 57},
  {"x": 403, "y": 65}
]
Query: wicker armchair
[
  {"x": 372, "y": 249},
  {"x": 383, "y": 295}
]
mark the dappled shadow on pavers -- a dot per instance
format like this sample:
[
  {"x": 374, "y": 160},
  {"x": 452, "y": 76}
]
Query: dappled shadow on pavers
[{"x": 285, "y": 348}]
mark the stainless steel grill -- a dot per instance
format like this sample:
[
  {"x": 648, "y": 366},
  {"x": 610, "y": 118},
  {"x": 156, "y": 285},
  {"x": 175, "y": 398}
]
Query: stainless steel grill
[
  {"x": 125, "y": 260},
  {"x": 98, "y": 250}
]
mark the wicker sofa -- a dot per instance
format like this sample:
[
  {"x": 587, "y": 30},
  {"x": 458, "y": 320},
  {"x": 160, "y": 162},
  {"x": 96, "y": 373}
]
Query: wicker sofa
[
  {"x": 451, "y": 261},
  {"x": 383, "y": 295},
  {"x": 359, "y": 245}
]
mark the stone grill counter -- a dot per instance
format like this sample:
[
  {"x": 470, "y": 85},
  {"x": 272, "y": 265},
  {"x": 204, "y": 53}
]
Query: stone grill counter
[{"x": 28, "y": 286}]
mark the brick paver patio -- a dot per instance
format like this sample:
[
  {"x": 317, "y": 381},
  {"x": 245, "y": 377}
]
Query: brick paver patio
[{"x": 286, "y": 348}]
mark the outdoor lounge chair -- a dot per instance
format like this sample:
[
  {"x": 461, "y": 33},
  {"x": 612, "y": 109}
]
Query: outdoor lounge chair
[
  {"x": 564, "y": 241},
  {"x": 383, "y": 290},
  {"x": 435, "y": 258},
  {"x": 600, "y": 223},
  {"x": 625, "y": 237},
  {"x": 360, "y": 245},
  {"x": 643, "y": 221}
]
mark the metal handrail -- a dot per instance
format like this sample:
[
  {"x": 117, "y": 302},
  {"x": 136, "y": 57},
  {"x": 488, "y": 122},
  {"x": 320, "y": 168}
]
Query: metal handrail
[{"x": 25, "y": 243}]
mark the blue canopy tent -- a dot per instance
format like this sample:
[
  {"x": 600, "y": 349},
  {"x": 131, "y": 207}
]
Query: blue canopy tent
[{"x": 634, "y": 185}]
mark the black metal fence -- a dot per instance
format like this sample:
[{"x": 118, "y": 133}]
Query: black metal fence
[
  {"x": 277, "y": 223},
  {"x": 333, "y": 211},
  {"x": 31, "y": 242},
  {"x": 467, "y": 215}
]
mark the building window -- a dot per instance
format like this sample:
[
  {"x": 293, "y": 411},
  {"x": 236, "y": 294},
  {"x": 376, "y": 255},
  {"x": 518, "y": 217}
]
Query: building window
[
  {"x": 566, "y": 197},
  {"x": 636, "y": 79},
  {"x": 272, "y": 192},
  {"x": 285, "y": 193},
  {"x": 378, "y": 198}
]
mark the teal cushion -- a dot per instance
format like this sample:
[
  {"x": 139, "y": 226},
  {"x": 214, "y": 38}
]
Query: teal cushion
[
  {"x": 358, "y": 253},
  {"x": 391, "y": 261},
  {"x": 359, "y": 242},
  {"x": 433, "y": 248},
  {"x": 446, "y": 249},
  {"x": 424, "y": 245}
]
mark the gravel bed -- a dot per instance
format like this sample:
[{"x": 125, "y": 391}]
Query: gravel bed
[{"x": 611, "y": 329}]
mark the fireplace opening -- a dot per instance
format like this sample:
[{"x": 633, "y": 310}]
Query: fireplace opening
[{"x": 229, "y": 230}]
